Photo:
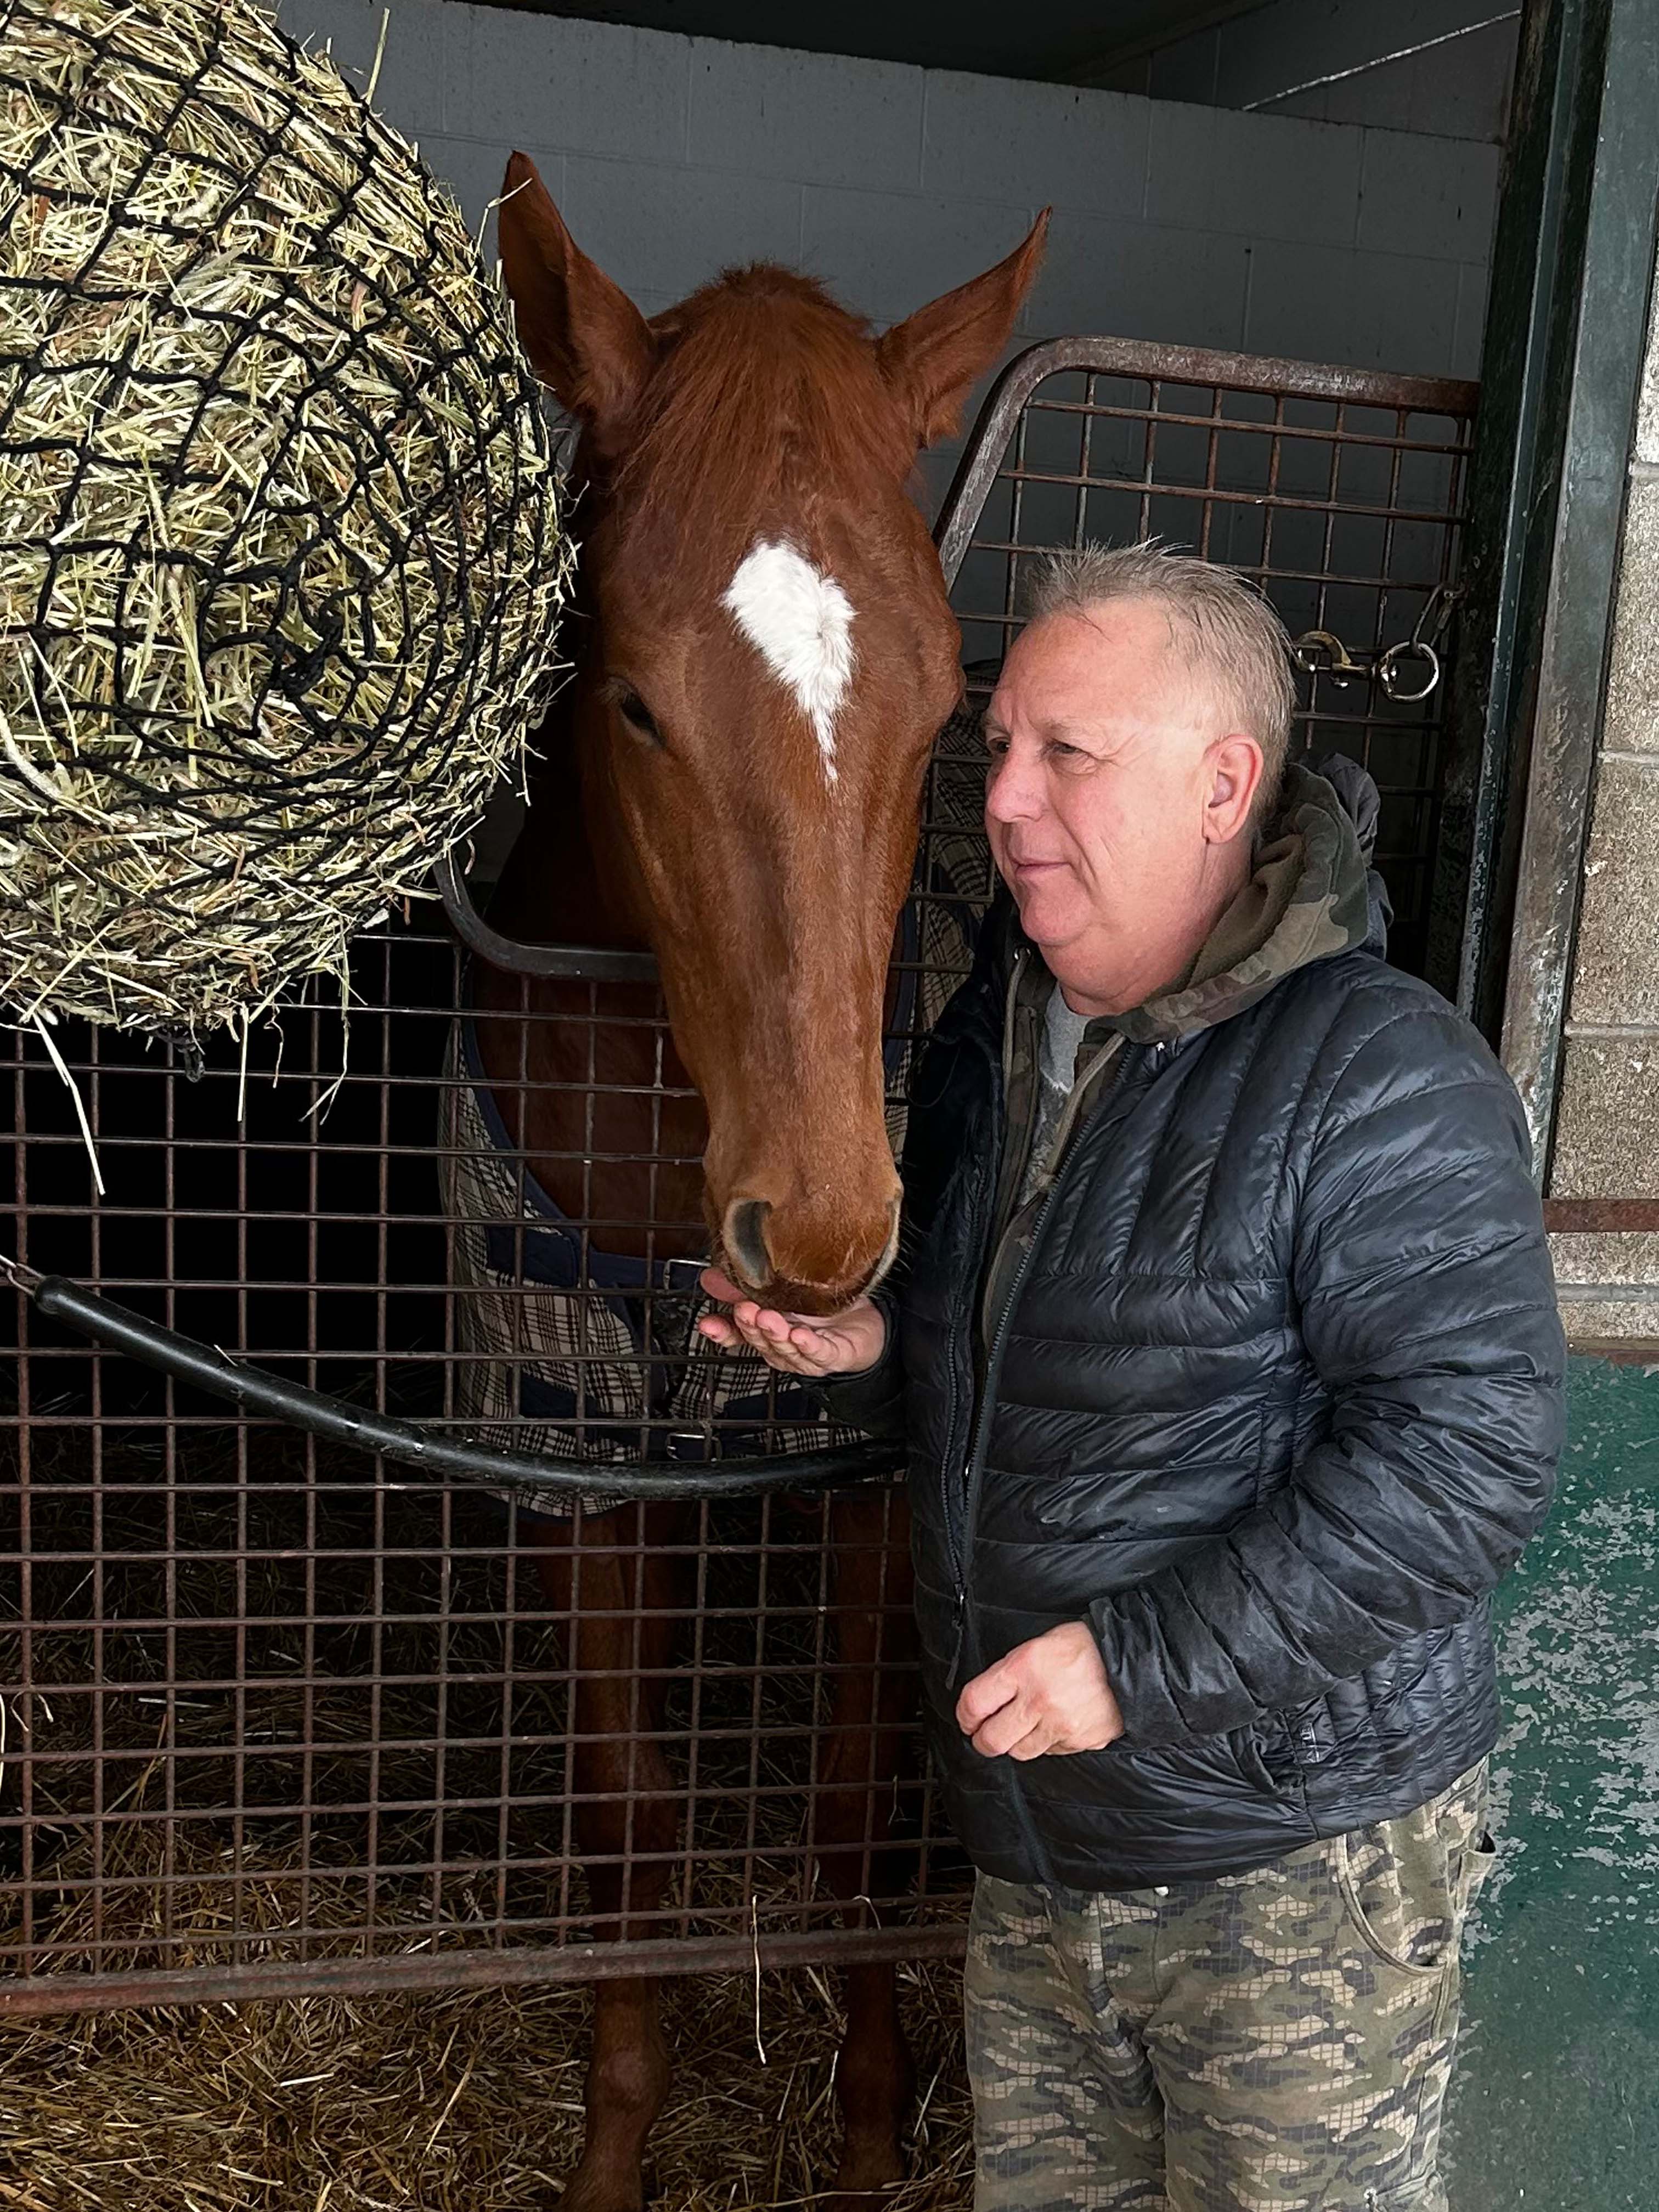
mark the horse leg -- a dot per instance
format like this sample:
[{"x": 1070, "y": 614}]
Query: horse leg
[
  {"x": 872, "y": 1704},
  {"x": 618, "y": 1590}
]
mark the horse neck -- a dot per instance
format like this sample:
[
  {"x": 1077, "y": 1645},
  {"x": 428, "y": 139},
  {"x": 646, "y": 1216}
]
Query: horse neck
[
  {"x": 563, "y": 881},
  {"x": 559, "y": 886}
]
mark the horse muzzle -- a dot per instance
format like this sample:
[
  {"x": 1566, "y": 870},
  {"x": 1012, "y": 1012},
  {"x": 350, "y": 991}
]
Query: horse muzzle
[{"x": 782, "y": 1270}]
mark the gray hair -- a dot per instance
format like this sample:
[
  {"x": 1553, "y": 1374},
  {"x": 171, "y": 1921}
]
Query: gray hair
[{"x": 1219, "y": 622}]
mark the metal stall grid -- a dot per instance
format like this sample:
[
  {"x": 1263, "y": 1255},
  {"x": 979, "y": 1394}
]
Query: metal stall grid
[
  {"x": 279, "y": 1715},
  {"x": 1340, "y": 491}
]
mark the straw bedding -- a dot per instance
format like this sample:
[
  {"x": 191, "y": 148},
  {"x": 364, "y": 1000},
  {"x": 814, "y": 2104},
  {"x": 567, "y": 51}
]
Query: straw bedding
[
  {"x": 450, "y": 2104},
  {"x": 332, "y": 2103},
  {"x": 279, "y": 550}
]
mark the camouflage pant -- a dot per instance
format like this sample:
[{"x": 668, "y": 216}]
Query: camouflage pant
[{"x": 1276, "y": 2041}]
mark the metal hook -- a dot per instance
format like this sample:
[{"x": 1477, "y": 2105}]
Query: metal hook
[
  {"x": 1439, "y": 607},
  {"x": 18, "y": 1273},
  {"x": 1430, "y": 626},
  {"x": 1338, "y": 663},
  {"x": 1320, "y": 652}
]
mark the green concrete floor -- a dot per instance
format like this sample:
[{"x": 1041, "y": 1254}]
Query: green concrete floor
[{"x": 1556, "y": 2106}]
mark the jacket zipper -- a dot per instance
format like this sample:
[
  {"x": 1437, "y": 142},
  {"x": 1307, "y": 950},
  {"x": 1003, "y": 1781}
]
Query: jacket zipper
[
  {"x": 970, "y": 1476},
  {"x": 950, "y": 1453},
  {"x": 958, "y": 1566},
  {"x": 974, "y": 1465}
]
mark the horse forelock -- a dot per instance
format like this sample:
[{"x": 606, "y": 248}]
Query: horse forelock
[{"x": 766, "y": 392}]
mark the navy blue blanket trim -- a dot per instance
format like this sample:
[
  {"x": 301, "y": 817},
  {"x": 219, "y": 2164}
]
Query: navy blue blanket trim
[
  {"x": 552, "y": 1255},
  {"x": 791, "y": 1407},
  {"x": 542, "y": 1400}
]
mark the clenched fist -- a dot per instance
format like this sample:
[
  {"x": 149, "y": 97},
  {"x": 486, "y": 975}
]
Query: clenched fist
[{"x": 1048, "y": 1695}]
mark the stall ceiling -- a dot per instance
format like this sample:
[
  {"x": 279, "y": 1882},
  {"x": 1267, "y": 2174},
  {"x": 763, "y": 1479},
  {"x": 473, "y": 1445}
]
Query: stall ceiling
[{"x": 1061, "y": 41}]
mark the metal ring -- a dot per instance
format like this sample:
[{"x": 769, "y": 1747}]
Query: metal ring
[{"x": 1389, "y": 663}]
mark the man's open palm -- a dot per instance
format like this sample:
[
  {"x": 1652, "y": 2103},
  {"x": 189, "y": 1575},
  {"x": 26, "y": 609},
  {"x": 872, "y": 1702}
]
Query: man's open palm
[{"x": 842, "y": 1343}]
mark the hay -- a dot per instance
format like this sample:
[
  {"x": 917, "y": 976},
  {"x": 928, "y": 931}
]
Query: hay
[
  {"x": 453, "y": 2103},
  {"x": 280, "y": 555}
]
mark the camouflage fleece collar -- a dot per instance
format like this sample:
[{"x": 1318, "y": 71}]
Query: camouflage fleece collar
[
  {"x": 1307, "y": 899},
  {"x": 1312, "y": 895}
]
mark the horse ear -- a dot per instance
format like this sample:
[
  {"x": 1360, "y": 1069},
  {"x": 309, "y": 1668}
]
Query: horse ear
[
  {"x": 586, "y": 338},
  {"x": 934, "y": 357}
]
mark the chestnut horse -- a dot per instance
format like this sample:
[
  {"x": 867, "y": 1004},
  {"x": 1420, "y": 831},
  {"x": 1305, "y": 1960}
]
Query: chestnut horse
[{"x": 764, "y": 653}]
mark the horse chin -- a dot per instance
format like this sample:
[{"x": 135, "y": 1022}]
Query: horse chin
[{"x": 804, "y": 1301}]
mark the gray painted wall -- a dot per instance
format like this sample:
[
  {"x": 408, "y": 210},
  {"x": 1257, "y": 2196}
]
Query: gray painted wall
[
  {"x": 1456, "y": 87},
  {"x": 672, "y": 157}
]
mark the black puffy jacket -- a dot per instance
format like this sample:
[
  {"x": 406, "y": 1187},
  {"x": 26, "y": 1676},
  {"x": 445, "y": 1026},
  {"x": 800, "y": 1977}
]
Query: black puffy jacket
[{"x": 1275, "y": 1401}]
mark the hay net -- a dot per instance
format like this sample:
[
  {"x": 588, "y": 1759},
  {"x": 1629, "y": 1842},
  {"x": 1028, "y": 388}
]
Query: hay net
[{"x": 280, "y": 548}]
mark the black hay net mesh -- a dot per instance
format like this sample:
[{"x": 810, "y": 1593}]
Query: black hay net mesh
[{"x": 280, "y": 555}]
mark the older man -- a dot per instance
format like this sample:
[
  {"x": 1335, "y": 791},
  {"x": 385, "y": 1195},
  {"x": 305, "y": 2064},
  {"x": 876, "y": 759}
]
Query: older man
[{"x": 1226, "y": 1345}]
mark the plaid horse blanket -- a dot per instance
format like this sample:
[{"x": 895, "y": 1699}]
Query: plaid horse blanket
[{"x": 576, "y": 1354}]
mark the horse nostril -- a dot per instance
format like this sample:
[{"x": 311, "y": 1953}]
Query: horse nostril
[{"x": 746, "y": 1239}]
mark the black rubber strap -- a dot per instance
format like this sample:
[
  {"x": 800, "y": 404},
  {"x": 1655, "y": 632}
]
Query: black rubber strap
[
  {"x": 586, "y": 963},
  {"x": 433, "y": 1452}
]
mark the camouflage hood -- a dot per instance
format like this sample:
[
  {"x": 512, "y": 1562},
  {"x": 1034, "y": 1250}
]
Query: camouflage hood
[{"x": 1312, "y": 893}]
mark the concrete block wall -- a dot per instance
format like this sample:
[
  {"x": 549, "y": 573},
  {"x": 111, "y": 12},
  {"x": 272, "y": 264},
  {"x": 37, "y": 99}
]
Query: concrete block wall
[
  {"x": 1452, "y": 75},
  {"x": 1607, "y": 1142},
  {"x": 672, "y": 157}
]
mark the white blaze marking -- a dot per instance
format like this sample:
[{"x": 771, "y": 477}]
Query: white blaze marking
[{"x": 801, "y": 622}]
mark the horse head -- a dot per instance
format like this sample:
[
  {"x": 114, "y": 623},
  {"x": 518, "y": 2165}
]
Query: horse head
[{"x": 767, "y": 657}]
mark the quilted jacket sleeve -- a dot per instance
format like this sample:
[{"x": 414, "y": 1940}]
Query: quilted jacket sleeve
[
  {"x": 873, "y": 1398},
  {"x": 1428, "y": 1309}
]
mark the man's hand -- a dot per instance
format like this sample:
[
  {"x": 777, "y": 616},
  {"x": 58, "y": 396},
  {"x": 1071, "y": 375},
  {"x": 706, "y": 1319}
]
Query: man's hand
[
  {"x": 843, "y": 1343},
  {"x": 1048, "y": 1695}
]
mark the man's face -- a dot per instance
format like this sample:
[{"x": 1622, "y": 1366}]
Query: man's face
[{"x": 1100, "y": 794}]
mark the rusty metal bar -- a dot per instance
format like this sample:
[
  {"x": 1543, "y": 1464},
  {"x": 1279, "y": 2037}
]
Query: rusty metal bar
[
  {"x": 31, "y": 1996},
  {"x": 1210, "y": 497},
  {"x": 1180, "y": 365},
  {"x": 1602, "y": 1217},
  {"x": 1309, "y": 433}
]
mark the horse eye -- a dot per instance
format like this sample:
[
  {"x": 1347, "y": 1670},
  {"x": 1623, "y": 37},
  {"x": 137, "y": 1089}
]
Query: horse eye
[{"x": 634, "y": 711}]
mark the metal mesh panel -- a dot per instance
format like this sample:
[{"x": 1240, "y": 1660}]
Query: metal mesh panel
[
  {"x": 277, "y": 1716},
  {"x": 268, "y": 1707},
  {"x": 1342, "y": 493}
]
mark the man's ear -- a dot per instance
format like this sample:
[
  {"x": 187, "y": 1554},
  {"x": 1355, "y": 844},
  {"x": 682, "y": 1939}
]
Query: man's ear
[
  {"x": 1235, "y": 764},
  {"x": 586, "y": 338},
  {"x": 933, "y": 358}
]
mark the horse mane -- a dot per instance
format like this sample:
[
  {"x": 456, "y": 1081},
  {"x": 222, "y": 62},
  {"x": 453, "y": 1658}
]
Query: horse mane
[{"x": 764, "y": 383}]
